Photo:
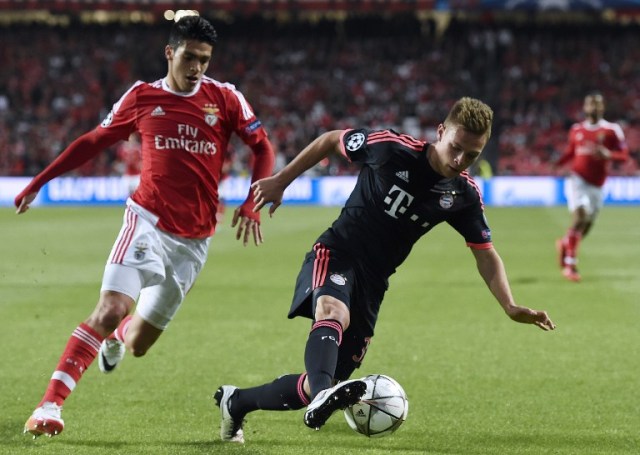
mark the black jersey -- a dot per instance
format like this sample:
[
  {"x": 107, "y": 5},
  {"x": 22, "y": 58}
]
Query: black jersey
[{"x": 397, "y": 199}]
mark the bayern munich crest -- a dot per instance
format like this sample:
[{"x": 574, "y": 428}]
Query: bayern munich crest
[{"x": 446, "y": 201}]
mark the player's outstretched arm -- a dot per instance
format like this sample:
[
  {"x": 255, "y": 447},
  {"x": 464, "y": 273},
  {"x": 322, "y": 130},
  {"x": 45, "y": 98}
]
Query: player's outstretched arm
[
  {"x": 79, "y": 152},
  {"x": 246, "y": 220},
  {"x": 271, "y": 189},
  {"x": 492, "y": 270}
]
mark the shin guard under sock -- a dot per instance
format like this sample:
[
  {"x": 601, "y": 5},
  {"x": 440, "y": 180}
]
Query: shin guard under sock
[
  {"x": 321, "y": 354},
  {"x": 81, "y": 349}
]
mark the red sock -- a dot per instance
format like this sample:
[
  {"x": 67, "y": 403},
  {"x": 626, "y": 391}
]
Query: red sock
[
  {"x": 121, "y": 331},
  {"x": 82, "y": 348},
  {"x": 572, "y": 241}
]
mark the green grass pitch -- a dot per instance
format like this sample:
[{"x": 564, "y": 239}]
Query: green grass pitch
[{"x": 477, "y": 382}]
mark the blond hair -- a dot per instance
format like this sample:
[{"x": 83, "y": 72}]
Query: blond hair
[{"x": 472, "y": 115}]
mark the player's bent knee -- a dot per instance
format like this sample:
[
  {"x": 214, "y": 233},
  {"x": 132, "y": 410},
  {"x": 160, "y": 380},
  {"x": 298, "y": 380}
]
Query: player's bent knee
[
  {"x": 328, "y": 307},
  {"x": 110, "y": 310}
]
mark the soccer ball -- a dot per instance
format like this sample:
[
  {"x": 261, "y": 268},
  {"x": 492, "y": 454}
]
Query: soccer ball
[{"x": 381, "y": 410}]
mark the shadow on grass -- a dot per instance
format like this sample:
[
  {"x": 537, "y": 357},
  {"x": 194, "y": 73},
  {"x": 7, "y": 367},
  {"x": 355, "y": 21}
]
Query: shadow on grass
[{"x": 523, "y": 280}]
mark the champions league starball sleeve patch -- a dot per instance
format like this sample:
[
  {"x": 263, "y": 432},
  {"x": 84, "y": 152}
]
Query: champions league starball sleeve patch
[
  {"x": 355, "y": 142},
  {"x": 107, "y": 121}
]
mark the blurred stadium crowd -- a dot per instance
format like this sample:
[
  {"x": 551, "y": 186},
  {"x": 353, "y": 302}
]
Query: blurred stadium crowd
[{"x": 306, "y": 77}]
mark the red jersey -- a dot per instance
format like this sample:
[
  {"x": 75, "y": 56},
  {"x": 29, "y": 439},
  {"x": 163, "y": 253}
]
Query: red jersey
[
  {"x": 584, "y": 138},
  {"x": 184, "y": 138}
]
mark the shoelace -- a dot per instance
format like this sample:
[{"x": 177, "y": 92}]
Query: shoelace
[{"x": 113, "y": 347}]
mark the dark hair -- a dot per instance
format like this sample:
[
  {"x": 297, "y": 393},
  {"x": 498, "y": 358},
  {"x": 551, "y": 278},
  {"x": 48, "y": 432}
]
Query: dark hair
[{"x": 192, "y": 28}]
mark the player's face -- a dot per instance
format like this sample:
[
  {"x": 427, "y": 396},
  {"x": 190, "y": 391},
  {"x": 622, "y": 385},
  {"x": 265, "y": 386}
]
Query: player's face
[
  {"x": 594, "y": 107},
  {"x": 187, "y": 64},
  {"x": 455, "y": 150}
]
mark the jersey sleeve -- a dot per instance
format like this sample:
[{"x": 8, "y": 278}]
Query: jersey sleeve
[
  {"x": 570, "y": 149},
  {"x": 122, "y": 120},
  {"x": 365, "y": 146},
  {"x": 472, "y": 225},
  {"x": 244, "y": 121},
  {"x": 618, "y": 144}
]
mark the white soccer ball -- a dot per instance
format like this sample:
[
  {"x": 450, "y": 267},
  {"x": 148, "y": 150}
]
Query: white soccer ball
[{"x": 381, "y": 410}]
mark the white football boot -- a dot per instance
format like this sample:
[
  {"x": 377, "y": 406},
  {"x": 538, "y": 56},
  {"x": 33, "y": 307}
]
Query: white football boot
[
  {"x": 111, "y": 353},
  {"x": 330, "y": 400},
  {"x": 230, "y": 428},
  {"x": 45, "y": 420}
]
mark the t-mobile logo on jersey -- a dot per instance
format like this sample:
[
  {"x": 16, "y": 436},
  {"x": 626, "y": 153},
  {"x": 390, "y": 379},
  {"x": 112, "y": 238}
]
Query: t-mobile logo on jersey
[
  {"x": 399, "y": 200},
  {"x": 187, "y": 140}
]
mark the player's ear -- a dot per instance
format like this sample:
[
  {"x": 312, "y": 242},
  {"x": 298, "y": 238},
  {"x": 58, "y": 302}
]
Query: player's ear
[
  {"x": 441, "y": 130},
  {"x": 168, "y": 52}
]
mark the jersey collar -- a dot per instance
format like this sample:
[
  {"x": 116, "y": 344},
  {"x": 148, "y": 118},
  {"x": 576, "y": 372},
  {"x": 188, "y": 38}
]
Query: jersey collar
[{"x": 166, "y": 88}]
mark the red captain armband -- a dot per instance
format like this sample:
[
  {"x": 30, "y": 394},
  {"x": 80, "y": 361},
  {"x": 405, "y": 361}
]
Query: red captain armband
[{"x": 480, "y": 246}]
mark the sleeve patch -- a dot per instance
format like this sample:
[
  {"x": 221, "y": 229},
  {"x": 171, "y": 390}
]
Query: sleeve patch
[
  {"x": 107, "y": 121},
  {"x": 355, "y": 142},
  {"x": 253, "y": 126}
]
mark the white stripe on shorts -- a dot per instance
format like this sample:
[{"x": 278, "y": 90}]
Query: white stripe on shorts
[{"x": 124, "y": 240}]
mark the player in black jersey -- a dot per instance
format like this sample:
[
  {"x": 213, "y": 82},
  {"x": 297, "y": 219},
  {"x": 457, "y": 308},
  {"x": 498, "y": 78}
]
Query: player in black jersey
[{"x": 404, "y": 189}]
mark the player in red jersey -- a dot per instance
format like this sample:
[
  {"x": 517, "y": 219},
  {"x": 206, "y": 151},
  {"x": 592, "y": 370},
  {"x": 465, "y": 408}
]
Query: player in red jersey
[
  {"x": 185, "y": 121},
  {"x": 593, "y": 144},
  {"x": 405, "y": 188}
]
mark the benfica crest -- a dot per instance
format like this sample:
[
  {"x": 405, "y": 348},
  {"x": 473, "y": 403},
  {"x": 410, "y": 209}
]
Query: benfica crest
[{"x": 210, "y": 114}]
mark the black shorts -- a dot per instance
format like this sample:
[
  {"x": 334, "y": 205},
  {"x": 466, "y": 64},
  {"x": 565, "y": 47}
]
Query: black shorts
[{"x": 327, "y": 272}]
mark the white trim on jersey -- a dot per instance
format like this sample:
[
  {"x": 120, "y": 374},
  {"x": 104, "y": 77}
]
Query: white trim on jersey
[
  {"x": 247, "y": 113},
  {"x": 602, "y": 123},
  {"x": 616, "y": 129},
  {"x": 118, "y": 103},
  {"x": 166, "y": 88}
]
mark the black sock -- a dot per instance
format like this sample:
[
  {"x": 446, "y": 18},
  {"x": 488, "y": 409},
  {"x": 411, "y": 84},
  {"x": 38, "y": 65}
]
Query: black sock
[
  {"x": 283, "y": 394},
  {"x": 321, "y": 354}
]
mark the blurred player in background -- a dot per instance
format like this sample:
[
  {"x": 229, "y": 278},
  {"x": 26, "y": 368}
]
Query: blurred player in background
[
  {"x": 593, "y": 144},
  {"x": 129, "y": 162},
  {"x": 404, "y": 189},
  {"x": 185, "y": 121}
]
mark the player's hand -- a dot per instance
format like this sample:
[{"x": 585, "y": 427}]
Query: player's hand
[
  {"x": 528, "y": 316},
  {"x": 265, "y": 191},
  {"x": 247, "y": 226},
  {"x": 24, "y": 201},
  {"x": 602, "y": 152}
]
